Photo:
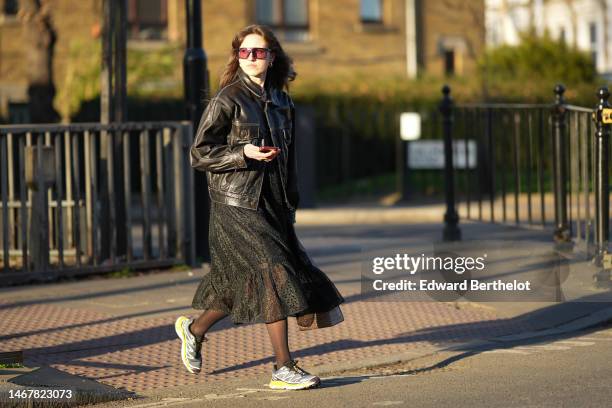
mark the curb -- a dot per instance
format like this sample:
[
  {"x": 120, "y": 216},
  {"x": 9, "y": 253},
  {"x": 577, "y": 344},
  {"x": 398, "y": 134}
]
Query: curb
[
  {"x": 584, "y": 322},
  {"x": 323, "y": 370}
]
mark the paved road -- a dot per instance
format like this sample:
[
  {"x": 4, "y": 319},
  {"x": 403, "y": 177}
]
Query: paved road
[{"x": 569, "y": 371}]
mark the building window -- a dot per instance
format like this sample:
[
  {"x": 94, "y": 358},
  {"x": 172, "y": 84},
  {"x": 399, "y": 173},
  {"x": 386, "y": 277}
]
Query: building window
[
  {"x": 593, "y": 39},
  {"x": 147, "y": 19},
  {"x": 449, "y": 62},
  {"x": 287, "y": 18},
  {"x": 371, "y": 11},
  {"x": 19, "y": 112},
  {"x": 10, "y": 8}
]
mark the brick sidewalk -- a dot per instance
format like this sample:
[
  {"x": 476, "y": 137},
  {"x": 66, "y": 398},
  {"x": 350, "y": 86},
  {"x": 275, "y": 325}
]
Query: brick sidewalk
[{"x": 142, "y": 353}]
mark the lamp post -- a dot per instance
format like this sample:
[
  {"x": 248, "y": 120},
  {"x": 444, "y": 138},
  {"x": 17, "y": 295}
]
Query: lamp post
[
  {"x": 113, "y": 108},
  {"x": 195, "y": 77}
]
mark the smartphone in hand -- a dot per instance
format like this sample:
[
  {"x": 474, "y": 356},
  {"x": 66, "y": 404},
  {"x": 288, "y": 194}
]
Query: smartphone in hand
[{"x": 266, "y": 149}]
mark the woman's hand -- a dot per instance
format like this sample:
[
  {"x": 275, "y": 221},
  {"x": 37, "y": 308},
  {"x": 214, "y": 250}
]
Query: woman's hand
[{"x": 253, "y": 152}]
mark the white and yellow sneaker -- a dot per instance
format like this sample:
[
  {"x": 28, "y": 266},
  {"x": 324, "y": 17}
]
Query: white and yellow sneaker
[
  {"x": 191, "y": 348},
  {"x": 292, "y": 377}
]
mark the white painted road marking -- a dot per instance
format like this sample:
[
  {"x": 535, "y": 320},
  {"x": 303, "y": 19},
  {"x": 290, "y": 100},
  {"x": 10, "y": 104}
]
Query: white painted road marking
[
  {"x": 509, "y": 351},
  {"x": 595, "y": 338},
  {"x": 576, "y": 343},
  {"x": 168, "y": 402},
  {"x": 270, "y": 398},
  {"x": 550, "y": 347},
  {"x": 227, "y": 396}
]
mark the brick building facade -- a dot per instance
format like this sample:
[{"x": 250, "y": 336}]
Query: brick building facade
[{"x": 325, "y": 37}]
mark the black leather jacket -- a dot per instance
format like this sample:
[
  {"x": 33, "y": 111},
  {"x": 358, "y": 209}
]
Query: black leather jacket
[{"x": 235, "y": 116}]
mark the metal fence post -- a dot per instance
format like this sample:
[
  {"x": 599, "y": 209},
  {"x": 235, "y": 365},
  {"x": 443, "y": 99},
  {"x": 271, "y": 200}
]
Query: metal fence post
[
  {"x": 179, "y": 213},
  {"x": 188, "y": 188},
  {"x": 451, "y": 217},
  {"x": 602, "y": 118},
  {"x": 183, "y": 195},
  {"x": 5, "y": 212},
  {"x": 562, "y": 231},
  {"x": 40, "y": 174}
]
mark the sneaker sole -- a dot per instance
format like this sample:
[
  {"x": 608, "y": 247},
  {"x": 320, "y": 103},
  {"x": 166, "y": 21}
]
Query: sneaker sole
[
  {"x": 178, "y": 327},
  {"x": 281, "y": 385}
]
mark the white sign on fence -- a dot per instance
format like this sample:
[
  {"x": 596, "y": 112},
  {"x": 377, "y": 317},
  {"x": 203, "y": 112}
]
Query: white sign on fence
[
  {"x": 410, "y": 126},
  {"x": 429, "y": 154}
]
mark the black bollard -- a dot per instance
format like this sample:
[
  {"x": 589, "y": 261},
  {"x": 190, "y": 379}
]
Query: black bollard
[
  {"x": 451, "y": 217},
  {"x": 602, "y": 120},
  {"x": 562, "y": 231}
]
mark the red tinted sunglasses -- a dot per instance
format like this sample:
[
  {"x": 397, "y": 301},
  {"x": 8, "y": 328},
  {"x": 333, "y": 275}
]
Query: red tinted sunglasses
[{"x": 259, "y": 53}]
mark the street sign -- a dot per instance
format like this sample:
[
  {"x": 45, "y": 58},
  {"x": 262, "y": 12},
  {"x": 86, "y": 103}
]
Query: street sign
[
  {"x": 429, "y": 154},
  {"x": 606, "y": 115},
  {"x": 410, "y": 126}
]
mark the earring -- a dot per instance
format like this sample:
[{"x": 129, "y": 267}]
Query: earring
[{"x": 270, "y": 64}]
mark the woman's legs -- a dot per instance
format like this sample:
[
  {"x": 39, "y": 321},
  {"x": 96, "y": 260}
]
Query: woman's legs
[
  {"x": 200, "y": 326},
  {"x": 280, "y": 341},
  {"x": 277, "y": 331}
]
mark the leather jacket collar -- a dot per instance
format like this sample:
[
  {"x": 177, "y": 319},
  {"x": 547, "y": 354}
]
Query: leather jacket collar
[
  {"x": 267, "y": 94},
  {"x": 254, "y": 88}
]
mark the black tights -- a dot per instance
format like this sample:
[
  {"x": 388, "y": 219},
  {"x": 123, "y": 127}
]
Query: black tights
[{"x": 276, "y": 330}]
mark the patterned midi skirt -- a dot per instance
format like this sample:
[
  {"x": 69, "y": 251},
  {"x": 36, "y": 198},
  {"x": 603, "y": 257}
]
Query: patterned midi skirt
[{"x": 259, "y": 271}]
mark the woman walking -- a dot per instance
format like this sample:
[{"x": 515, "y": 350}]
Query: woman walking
[{"x": 259, "y": 271}]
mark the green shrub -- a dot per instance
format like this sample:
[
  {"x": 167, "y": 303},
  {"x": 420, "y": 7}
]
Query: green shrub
[
  {"x": 535, "y": 58},
  {"x": 150, "y": 74},
  {"x": 81, "y": 79}
]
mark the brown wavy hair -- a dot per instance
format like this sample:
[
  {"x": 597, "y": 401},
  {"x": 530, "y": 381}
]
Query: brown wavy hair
[{"x": 281, "y": 71}]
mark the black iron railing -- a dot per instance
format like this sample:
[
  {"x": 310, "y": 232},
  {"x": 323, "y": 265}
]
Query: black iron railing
[
  {"x": 89, "y": 198},
  {"x": 538, "y": 165}
]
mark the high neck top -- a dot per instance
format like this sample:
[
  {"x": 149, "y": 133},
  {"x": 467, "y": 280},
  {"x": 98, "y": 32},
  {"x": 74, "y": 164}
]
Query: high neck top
[{"x": 262, "y": 93}]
